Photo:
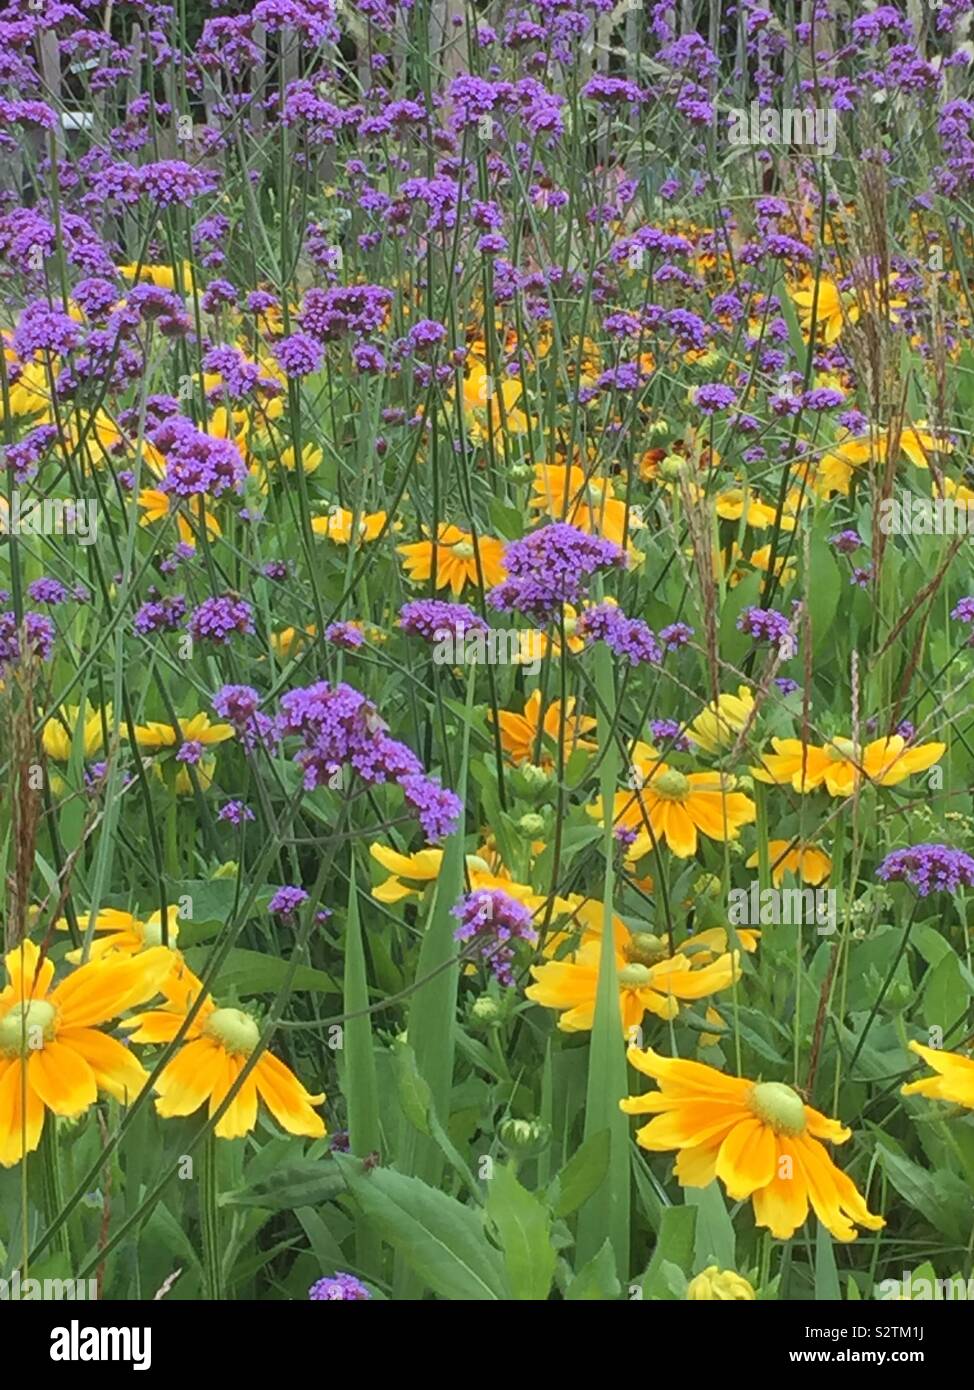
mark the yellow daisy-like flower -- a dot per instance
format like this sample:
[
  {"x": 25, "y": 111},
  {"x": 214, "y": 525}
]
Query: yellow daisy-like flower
[
  {"x": 125, "y": 934},
  {"x": 217, "y": 1045},
  {"x": 718, "y": 724},
  {"x": 759, "y": 1138},
  {"x": 524, "y": 735},
  {"x": 650, "y": 979},
  {"x": 834, "y": 308},
  {"x": 836, "y": 468},
  {"x": 57, "y": 738},
  {"x": 678, "y": 806},
  {"x": 194, "y": 728},
  {"x": 456, "y": 554},
  {"x": 535, "y": 644},
  {"x": 569, "y": 493},
  {"x": 885, "y": 761},
  {"x": 163, "y": 276},
  {"x": 954, "y": 1079},
  {"x": 52, "y": 1054},
  {"x": 284, "y": 643},
  {"x": 488, "y": 409},
  {"x": 337, "y": 525},
  {"x": 156, "y": 506},
  {"x": 807, "y": 862},
  {"x": 733, "y": 503},
  {"x": 410, "y": 875}
]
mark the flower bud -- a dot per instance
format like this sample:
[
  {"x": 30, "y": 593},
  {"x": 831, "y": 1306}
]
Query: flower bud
[{"x": 721, "y": 1285}]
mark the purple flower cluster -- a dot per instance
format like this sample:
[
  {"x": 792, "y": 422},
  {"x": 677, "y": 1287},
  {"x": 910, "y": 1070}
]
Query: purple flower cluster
[
  {"x": 37, "y": 630},
  {"x": 552, "y": 567},
  {"x": 341, "y": 1288},
  {"x": 433, "y": 619},
  {"x": 160, "y": 615},
  {"x": 494, "y": 922},
  {"x": 286, "y": 901},
  {"x": 338, "y": 726},
  {"x": 218, "y": 618},
  {"x": 628, "y": 638},
  {"x": 240, "y": 706},
  {"x": 766, "y": 625},
  {"x": 929, "y": 869},
  {"x": 345, "y": 635},
  {"x": 197, "y": 463}
]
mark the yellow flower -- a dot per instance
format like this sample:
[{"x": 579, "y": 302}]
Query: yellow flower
[
  {"x": 719, "y": 1285},
  {"x": 456, "y": 559},
  {"x": 534, "y": 644},
  {"x": 52, "y": 1056},
  {"x": 885, "y": 761},
  {"x": 717, "y": 726},
  {"x": 156, "y": 506},
  {"x": 311, "y": 457},
  {"x": 807, "y": 862},
  {"x": 733, "y": 503},
  {"x": 488, "y": 409},
  {"x": 650, "y": 980},
  {"x": 586, "y": 502},
  {"x": 163, "y": 276},
  {"x": 953, "y": 1082},
  {"x": 195, "y": 728},
  {"x": 834, "y": 307},
  {"x": 57, "y": 738},
  {"x": 527, "y": 734},
  {"x": 217, "y": 1045},
  {"x": 759, "y": 1138},
  {"x": 125, "y": 934},
  {"x": 836, "y": 468},
  {"x": 422, "y": 868},
  {"x": 337, "y": 525},
  {"x": 283, "y": 642},
  {"x": 677, "y": 806}
]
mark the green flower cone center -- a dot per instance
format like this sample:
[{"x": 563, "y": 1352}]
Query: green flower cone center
[
  {"x": 778, "y": 1106},
  {"x": 152, "y": 932},
  {"x": 635, "y": 976},
  {"x": 464, "y": 549},
  {"x": 27, "y": 1027},
  {"x": 841, "y": 750},
  {"x": 671, "y": 785},
  {"x": 646, "y": 949},
  {"x": 233, "y": 1030}
]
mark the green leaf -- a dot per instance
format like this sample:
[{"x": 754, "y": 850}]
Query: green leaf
[
  {"x": 941, "y": 1197},
  {"x": 945, "y": 996},
  {"x": 582, "y": 1174},
  {"x": 715, "y": 1233},
  {"x": 442, "y": 1241},
  {"x": 826, "y": 1275},
  {"x": 597, "y": 1280},
  {"x": 415, "y": 1096},
  {"x": 606, "y": 1212},
  {"x": 824, "y": 587},
  {"x": 304, "y": 1183},
  {"x": 675, "y": 1247},
  {"x": 359, "y": 1054},
  {"x": 522, "y": 1223},
  {"x": 253, "y": 972}
]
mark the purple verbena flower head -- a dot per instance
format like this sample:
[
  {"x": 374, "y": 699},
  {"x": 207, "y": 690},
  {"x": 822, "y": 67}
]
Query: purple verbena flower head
[
  {"x": 928, "y": 868},
  {"x": 339, "y": 1288},
  {"x": 493, "y": 922},
  {"x": 551, "y": 567},
  {"x": 218, "y": 618},
  {"x": 286, "y": 902}
]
